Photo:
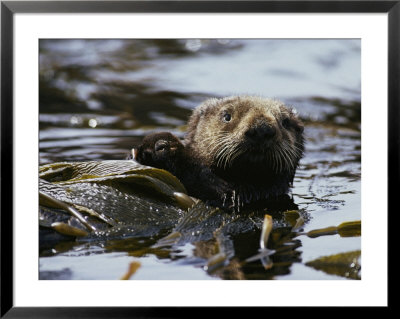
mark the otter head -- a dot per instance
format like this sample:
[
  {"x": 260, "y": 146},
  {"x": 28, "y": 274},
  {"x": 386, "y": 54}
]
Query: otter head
[
  {"x": 242, "y": 133},
  {"x": 159, "y": 150}
]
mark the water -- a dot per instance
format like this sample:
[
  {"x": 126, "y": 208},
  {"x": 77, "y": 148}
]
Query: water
[{"x": 98, "y": 98}]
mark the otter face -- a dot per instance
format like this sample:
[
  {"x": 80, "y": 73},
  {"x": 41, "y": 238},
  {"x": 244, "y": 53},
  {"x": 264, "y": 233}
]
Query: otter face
[
  {"x": 246, "y": 131},
  {"x": 159, "y": 149}
]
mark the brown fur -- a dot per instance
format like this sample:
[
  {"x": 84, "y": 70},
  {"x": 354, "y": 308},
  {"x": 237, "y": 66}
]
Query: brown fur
[{"x": 257, "y": 150}]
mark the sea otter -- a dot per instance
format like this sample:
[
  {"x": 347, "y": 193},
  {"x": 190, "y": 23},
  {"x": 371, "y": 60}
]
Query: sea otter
[
  {"x": 238, "y": 151},
  {"x": 252, "y": 143}
]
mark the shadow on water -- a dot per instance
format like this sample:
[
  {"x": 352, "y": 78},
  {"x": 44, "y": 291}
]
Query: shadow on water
[{"x": 98, "y": 98}]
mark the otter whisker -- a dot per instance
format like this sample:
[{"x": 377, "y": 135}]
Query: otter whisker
[
  {"x": 238, "y": 152},
  {"x": 222, "y": 153},
  {"x": 233, "y": 154},
  {"x": 233, "y": 149},
  {"x": 275, "y": 161},
  {"x": 225, "y": 152},
  {"x": 214, "y": 138},
  {"x": 282, "y": 159},
  {"x": 222, "y": 158},
  {"x": 271, "y": 158},
  {"x": 285, "y": 163},
  {"x": 217, "y": 146},
  {"x": 279, "y": 156},
  {"x": 286, "y": 157},
  {"x": 275, "y": 155},
  {"x": 217, "y": 141},
  {"x": 291, "y": 147},
  {"x": 298, "y": 151},
  {"x": 293, "y": 154}
]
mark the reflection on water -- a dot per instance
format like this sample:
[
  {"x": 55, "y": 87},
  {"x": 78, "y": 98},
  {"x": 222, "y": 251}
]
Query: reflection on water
[{"x": 98, "y": 98}]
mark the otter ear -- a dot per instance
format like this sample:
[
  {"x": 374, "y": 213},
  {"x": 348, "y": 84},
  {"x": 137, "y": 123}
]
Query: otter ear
[
  {"x": 203, "y": 110},
  {"x": 206, "y": 107},
  {"x": 296, "y": 122}
]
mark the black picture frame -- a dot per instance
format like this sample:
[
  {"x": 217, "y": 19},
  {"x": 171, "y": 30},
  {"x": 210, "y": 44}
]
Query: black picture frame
[{"x": 9, "y": 8}]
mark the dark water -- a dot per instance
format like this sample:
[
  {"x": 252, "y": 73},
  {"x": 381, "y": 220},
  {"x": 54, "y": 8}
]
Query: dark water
[{"x": 98, "y": 98}]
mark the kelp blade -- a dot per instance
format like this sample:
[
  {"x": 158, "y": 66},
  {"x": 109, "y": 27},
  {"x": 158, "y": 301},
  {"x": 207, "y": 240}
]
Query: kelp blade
[
  {"x": 128, "y": 198},
  {"x": 345, "y": 229},
  {"x": 346, "y": 265}
]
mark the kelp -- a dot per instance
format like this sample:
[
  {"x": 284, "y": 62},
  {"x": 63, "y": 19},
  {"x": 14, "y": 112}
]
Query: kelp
[
  {"x": 345, "y": 229},
  {"x": 69, "y": 230},
  {"x": 346, "y": 265},
  {"x": 133, "y": 267},
  {"x": 198, "y": 224},
  {"x": 49, "y": 201},
  {"x": 113, "y": 171},
  {"x": 294, "y": 218},
  {"x": 109, "y": 199},
  {"x": 264, "y": 252}
]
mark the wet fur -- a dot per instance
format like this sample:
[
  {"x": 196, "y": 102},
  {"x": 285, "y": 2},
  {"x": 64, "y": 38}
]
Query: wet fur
[
  {"x": 164, "y": 150},
  {"x": 255, "y": 171},
  {"x": 221, "y": 165}
]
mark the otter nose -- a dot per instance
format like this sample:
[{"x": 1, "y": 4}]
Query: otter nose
[{"x": 261, "y": 132}]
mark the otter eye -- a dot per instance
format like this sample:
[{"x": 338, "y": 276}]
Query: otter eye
[
  {"x": 286, "y": 122},
  {"x": 227, "y": 117}
]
